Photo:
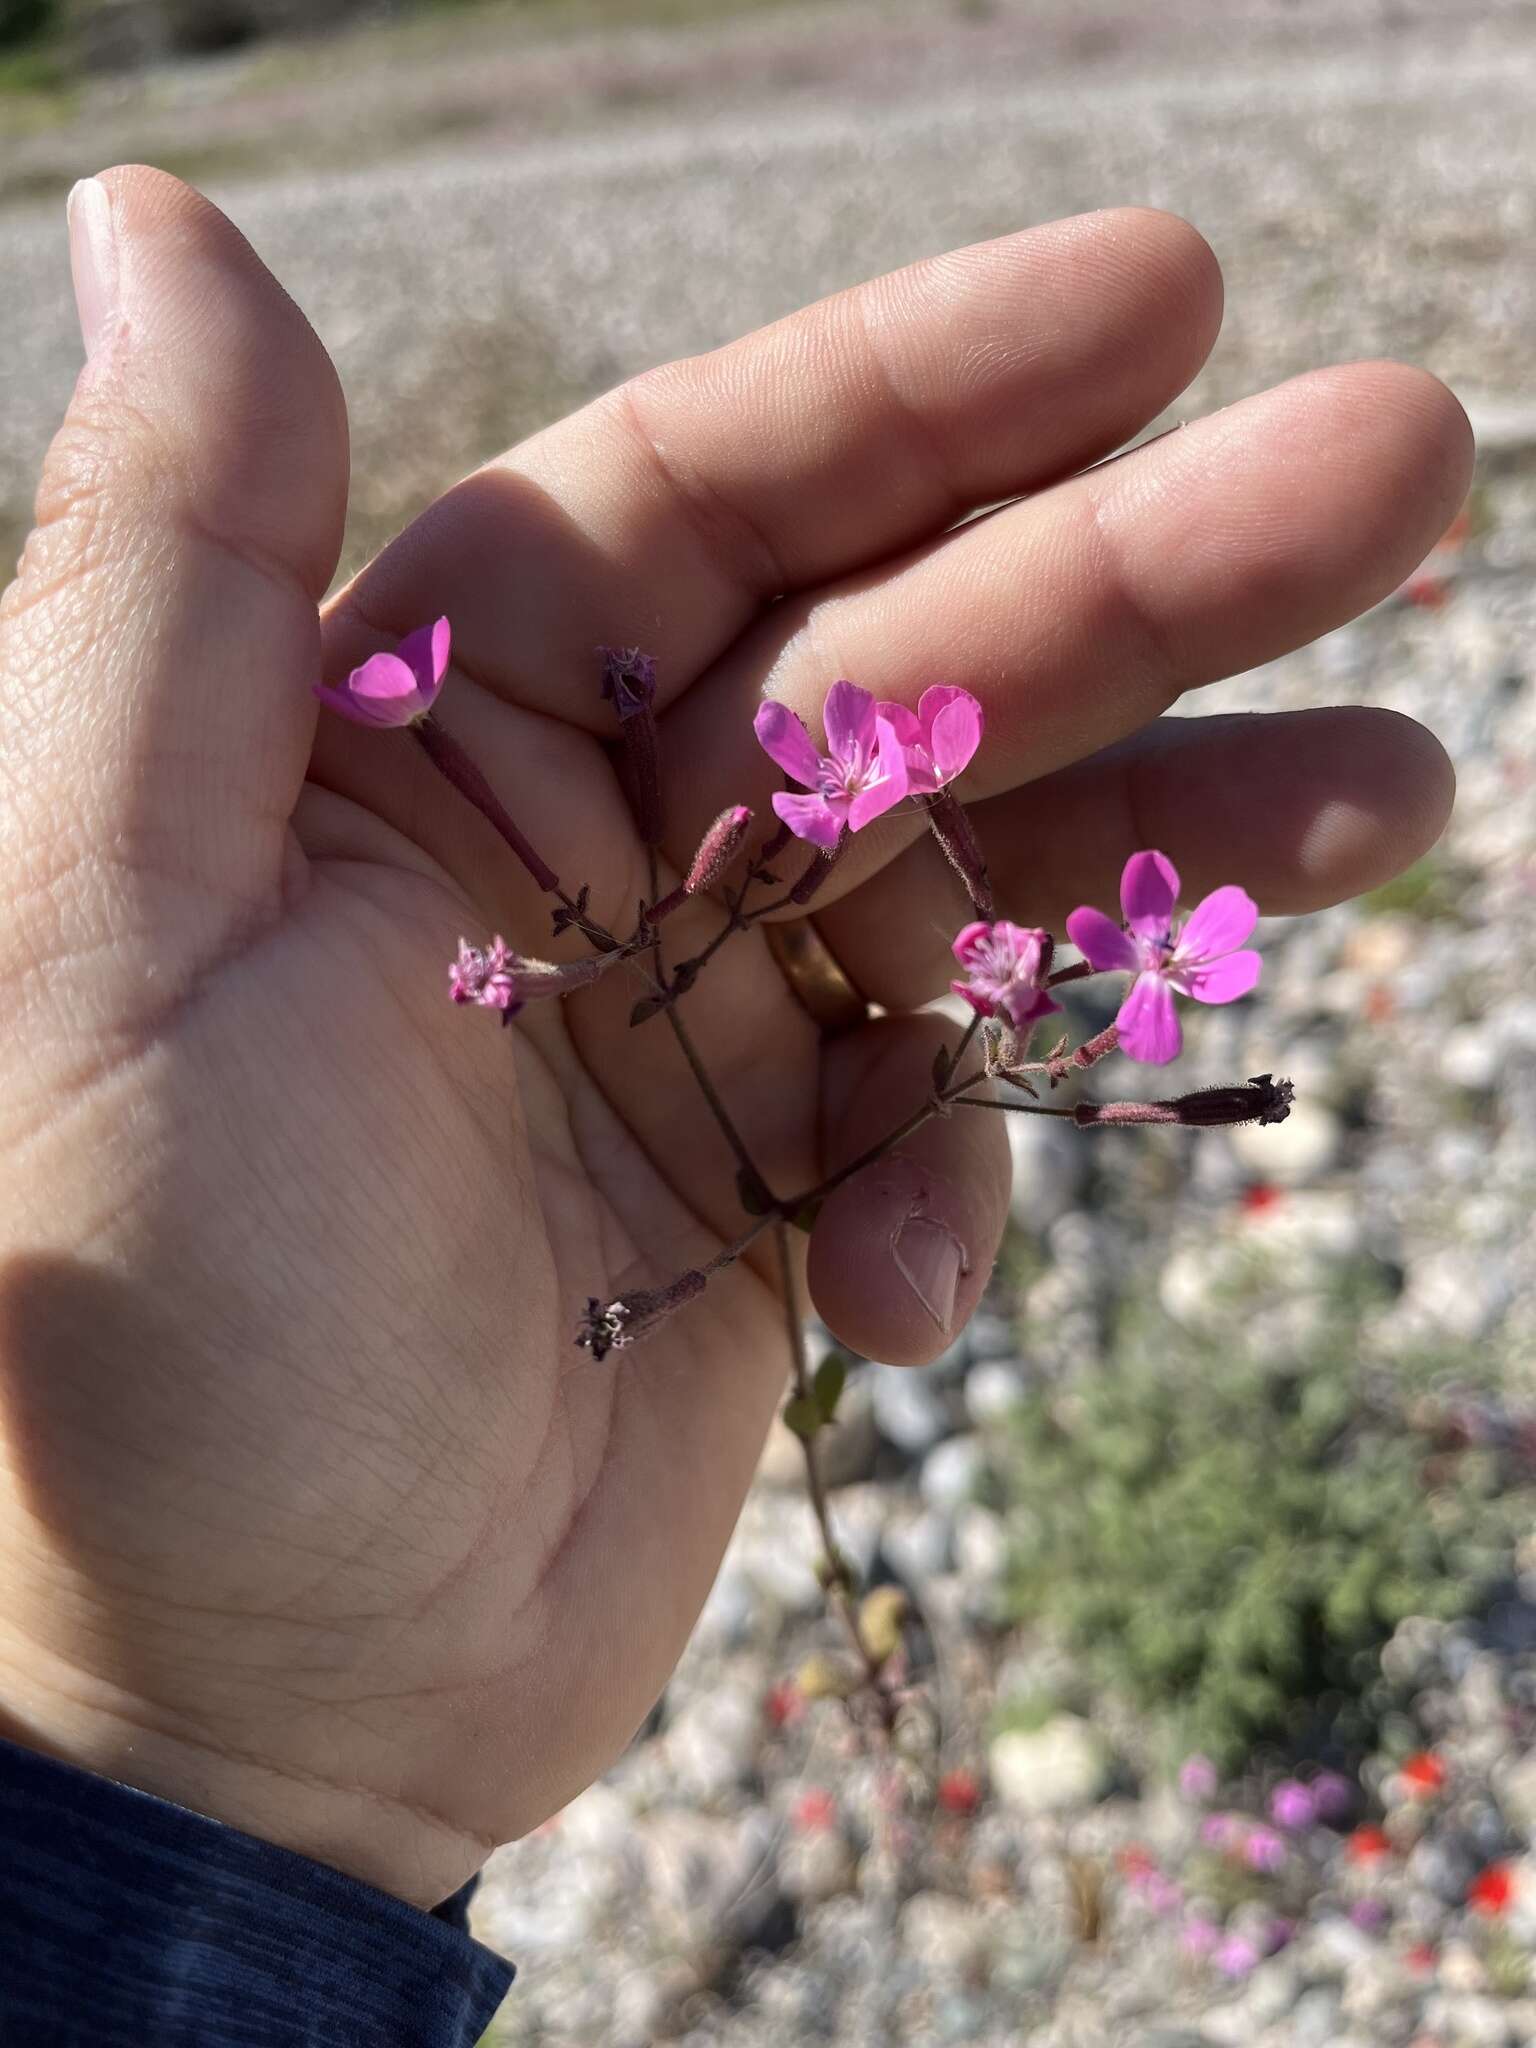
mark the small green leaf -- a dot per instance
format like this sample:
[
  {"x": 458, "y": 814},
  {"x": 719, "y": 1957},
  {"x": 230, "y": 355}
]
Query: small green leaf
[
  {"x": 942, "y": 1065},
  {"x": 803, "y": 1415},
  {"x": 805, "y": 1218},
  {"x": 831, "y": 1376},
  {"x": 646, "y": 1007},
  {"x": 751, "y": 1193}
]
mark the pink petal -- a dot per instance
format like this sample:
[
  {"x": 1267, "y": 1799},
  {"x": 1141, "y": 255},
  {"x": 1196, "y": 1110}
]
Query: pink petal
[
  {"x": 1223, "y": 981},
  {"x": 1219, "y": 924},
  {"x": 784, "y": 739},
  {"x": 983, "y": 1005},
  {"x": 809, "y": 817},
  {"x": 877, "y": 799},
  {"x": 904, "y": 723},
  {"x": 425, "y": 654},
  {"x": 966, "y": 941},
  {"x": 1100, "y": 940},
  {"x": 1023, "y": 1005},
  {"x": 1149, "y": 888},
  {"x": 343, "y": 703},
  {"x": 954, "y": 733},
  {"x": 849, "y": 717},
  {"x": 1149, "y": 1023}
]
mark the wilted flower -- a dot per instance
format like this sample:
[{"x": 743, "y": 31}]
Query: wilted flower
[
  {"x": 614, "y": 1325},
  {"x": 484, "y": 975},
  {"x": 939, "y": 739},
  {"x": 393, "y": 689},
  {"x": 1006, "y": 966},
  {"x": 860, "y": 776},
  {"x": 499, "y": 979},
  {"x": 629, "y": 679},
  {"x": 1198, "y": 958}
]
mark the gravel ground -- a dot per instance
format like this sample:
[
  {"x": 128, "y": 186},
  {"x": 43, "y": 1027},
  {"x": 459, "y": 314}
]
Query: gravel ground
[{"x": 745, "y": 1876}]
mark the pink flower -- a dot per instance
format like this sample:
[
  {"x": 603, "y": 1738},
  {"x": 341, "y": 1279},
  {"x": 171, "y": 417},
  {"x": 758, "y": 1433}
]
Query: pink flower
[
  {"x": 1199, "y": 1936},
  {"x": 498, "y": 979},
  {"x": 1197, "y": 1779},
  {"x": 1005, "y": 968},
  {"x": 1333, "y": 1795},
  {"x": 939, "y": 739},
  {"x": 393, "y": 689},
  {"x": 1291, "y": 1805},
  {"x": 484, "y": 975},
  {"x": 1263, "y": 1849},
  {"x": 1236, "y": 1956},
  {"x": 855, "y": 781},
  {"x": 1198, "y": 958}
]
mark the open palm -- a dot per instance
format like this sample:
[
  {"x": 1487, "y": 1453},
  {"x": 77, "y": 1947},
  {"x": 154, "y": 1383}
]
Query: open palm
[{"x": 315, "y": 1517}]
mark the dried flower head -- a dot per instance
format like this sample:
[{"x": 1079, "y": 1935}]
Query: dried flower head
[{"x": 629, "y": 679}]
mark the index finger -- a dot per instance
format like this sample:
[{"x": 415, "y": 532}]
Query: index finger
[{"x": 670, "y": 511}]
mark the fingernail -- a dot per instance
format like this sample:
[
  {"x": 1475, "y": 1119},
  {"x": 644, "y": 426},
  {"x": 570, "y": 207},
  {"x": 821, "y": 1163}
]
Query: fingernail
[
  {"x": 93, "y": 261},
  {"x": 931, "y": 1259}
]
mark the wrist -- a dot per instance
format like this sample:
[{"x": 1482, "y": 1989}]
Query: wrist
[{"x": 79, "y": 1719}]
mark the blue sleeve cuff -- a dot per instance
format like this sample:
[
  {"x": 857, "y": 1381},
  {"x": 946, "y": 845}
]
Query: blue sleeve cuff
[{"x": 126, "y": 1921}]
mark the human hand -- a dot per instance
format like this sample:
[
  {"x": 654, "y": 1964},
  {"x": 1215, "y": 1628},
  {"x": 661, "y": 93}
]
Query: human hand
[{"x": 315, "y": 1519}]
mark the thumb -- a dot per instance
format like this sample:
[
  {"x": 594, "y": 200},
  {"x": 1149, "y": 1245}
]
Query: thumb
[{"x": 156, "y": 643}]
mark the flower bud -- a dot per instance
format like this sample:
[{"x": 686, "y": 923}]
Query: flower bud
[{"x": 718, "y": 848}]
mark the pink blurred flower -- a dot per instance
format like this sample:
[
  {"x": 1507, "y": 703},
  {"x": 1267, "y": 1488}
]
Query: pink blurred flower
[
  {"x": 1006, "y": 966},
  {"x": 1197, "y": 1779},
  {"x": 1198, "y": 958},
  {"x": 1292, "y": 1805},
  {"x": 1333, "y": 1795},
  {"x": 1219, "y": 1831},
  {"x": 393, "y": 689},
  {"x": 1369, "y": 1915},
  {"x": 1199, "y": 1936},
  {"x": 939, "y": 739},
  {"x": 1236, "y": 1956},
  {"x": 1263, "y": 1849},
  {"x": 860, "y": 776}
]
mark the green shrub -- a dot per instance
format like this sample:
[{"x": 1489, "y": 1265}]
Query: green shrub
[{"x": 1231, "y": 1541}]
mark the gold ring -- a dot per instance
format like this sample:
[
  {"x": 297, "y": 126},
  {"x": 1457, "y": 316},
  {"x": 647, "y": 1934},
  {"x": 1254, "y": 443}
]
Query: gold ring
[{"x": 815, "y": 977}]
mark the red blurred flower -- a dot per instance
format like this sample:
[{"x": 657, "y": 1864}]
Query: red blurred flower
[
  {"x": 1134, "y": 1861},
  {"x": 959, "y": 1792},
  {"x": 1367, "y": 1845},
  {"x": 1260, "y": 1198},
  {"x": 814, "y": 1812},
  {"x": 1421, "y": 1957},
  {"x": 785, "y": 1704},
  {"x": 1423, "y": 1774},
  {"x": 1492, "y": 1890}
]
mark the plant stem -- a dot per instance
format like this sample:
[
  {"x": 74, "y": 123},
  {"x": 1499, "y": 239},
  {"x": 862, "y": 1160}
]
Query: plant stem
[{"x": 833, "y": 1566}]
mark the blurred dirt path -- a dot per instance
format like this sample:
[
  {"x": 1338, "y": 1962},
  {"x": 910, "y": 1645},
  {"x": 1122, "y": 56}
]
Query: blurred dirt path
[{"x": 1365, "y": 173}]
